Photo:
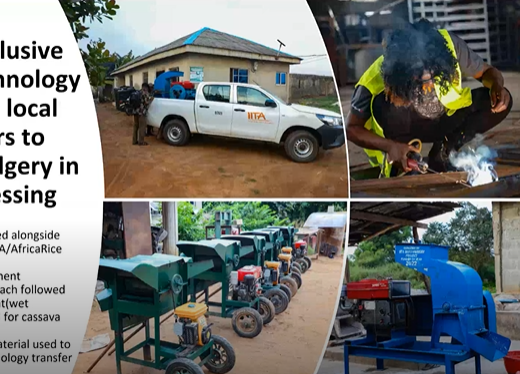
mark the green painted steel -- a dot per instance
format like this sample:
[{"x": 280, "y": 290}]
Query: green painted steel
[
  {"x": 143, "y": 288},
  {"x": 258, "y": 244},
  {"x": 288, "y": 233},
  {"x": 226, "y": 255}
]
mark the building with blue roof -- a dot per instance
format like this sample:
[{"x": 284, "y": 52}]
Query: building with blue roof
[{"x": 213, "y": 56}]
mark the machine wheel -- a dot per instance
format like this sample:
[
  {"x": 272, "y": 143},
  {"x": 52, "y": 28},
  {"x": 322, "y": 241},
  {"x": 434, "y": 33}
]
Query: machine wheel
[
  {"x": 303, "y": 265},
  {"x": 278, "y": 298},
  {"x": 302, "y": 146},
  {"x": 183, "y": 366},
  {"x": 296, "y": 271},
  {"x": 247, "y": 322},
  {"x": 291, "y": 283},
  {"x": 308, "y": 261},
  {"x": 223, "y": 360},
  {"x": 266, "y": 309},
  {"x": 176, "y": 132},
  {"x": 297, "y": 266},
  {"x": 297, "y": 278},
  {"x": 287, "y": 291}
]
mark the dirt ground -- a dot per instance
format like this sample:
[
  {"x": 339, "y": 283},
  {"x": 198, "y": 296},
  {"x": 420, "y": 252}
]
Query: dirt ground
[
  {"x": 211, "y": 167},
  {"x": 293, "y": 342}
]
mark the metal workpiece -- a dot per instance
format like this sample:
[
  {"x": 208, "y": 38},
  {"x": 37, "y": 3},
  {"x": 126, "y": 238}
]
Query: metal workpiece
[{"x": 457, "y": 308}]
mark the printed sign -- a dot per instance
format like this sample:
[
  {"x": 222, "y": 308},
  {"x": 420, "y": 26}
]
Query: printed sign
[
  {"x": 257, "y": 117},
  {"x": 196, "y": 75},
  {"x": 411, "y": 256}
]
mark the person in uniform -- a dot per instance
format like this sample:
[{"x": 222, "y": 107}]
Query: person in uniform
[{"x": 140, "y": 115}]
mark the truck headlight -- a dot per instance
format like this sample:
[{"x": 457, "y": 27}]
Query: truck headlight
[{"x": 331, "y": 121}]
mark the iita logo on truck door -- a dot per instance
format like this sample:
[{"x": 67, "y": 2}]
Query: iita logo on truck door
[{"x": 257, "y": 117}]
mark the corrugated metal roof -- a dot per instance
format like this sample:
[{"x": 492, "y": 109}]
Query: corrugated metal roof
[
  {"x": 210, "y": 38},
  {"x": 411, "y": 211},
  {"x": 326, "y": 220}
]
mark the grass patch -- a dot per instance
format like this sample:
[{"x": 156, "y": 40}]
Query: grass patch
[
  {"x": 323, "y": 102},
  {"x": 393, "y": 270}
]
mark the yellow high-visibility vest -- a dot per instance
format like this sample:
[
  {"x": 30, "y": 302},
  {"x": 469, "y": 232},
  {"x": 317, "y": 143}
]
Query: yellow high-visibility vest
[{"x": 456, "y": 98}]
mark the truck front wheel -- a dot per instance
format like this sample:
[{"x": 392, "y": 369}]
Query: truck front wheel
[
  {"x": 302, "y": 146},
  {"x": 176, "y": 132}
]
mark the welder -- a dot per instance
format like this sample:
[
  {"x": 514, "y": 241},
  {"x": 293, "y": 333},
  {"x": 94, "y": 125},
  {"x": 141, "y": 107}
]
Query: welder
[{"x": 414, "y": 91}]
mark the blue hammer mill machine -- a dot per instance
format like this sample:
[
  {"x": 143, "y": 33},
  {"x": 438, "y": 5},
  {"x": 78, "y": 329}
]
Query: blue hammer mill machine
[
  {"x": 146, "y": 287},
  {"x": 457, "y": 308},
  {"x": 167, "y": 86}
]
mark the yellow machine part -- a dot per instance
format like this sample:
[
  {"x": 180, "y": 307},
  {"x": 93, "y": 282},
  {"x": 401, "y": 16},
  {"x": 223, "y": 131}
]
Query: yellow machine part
[
  {"x": 202, "y": 323},
  {"x": 284, "y": 257},
  {"x": 191, "y": 311},
  {"x": 273, "y": 265},
  {"x": 287, "y": 250}
]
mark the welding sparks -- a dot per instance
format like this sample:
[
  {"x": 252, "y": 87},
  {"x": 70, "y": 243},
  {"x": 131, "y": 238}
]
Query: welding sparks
[{"x": 477, "y": 162}]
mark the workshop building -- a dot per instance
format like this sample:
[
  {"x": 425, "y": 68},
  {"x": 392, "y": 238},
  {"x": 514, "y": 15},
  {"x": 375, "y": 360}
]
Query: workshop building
[
  {"x": 213, "y": 56},
  {"x": 506, "y": 232}
]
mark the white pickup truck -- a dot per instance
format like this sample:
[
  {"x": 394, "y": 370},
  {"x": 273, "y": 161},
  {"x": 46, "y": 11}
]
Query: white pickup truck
[{"x": 247, "y": 111}]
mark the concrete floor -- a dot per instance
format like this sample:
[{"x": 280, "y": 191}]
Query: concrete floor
[{"x": 335, "y": 366}]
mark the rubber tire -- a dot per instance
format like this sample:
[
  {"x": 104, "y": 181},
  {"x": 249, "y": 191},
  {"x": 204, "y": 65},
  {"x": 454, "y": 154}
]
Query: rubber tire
[
  {"x": 291, "y": 283},
  {"x": 295, "y": 270},
  {"x": 256, "y": 316},
  {"x": 287, "y": 291},
  {"x": 297, "y": 278},
  {"x": 308, "y": 260},
  {"x": 185, "y": 364},
  {"x": 303, "y": 265},
  {"x": 230, "y": 352},
  {"x": 267, "y": 306},
  {"x": 289, "y": 146},
  {"x": 282, "y": 301},
  {"x": 296, "y": 266},
  {"x": 185, "y": 132}
]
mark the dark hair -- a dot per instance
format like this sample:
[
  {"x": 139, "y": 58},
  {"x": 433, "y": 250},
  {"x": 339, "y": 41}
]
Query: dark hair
[
  {"x": 146, "y": 85},
  {"x": 411, "y": 51}
]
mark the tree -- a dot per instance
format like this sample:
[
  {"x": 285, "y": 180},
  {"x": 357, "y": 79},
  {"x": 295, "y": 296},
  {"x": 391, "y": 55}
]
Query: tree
[
  {"x": 78, "y": 12},
  {"x": 190, "y": 224},
  {"x": 381, "y": 250},
  {"x": 469, "y": 235},
  {"x": 123, "y": 60},
  {"x": 96, "y": 60},
  {"x": 254, "y": 214},
  {"x": 298, "y": 212}
]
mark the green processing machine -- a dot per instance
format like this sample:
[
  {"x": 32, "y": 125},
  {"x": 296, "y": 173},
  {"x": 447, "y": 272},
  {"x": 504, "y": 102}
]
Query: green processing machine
[
  {"x": 240, "y": 297},
  {"x": 145, "y": 287}
]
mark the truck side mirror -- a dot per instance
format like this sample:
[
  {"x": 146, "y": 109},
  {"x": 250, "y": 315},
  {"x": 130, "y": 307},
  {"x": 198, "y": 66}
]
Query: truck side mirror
[{"x": 270, "y": 103}]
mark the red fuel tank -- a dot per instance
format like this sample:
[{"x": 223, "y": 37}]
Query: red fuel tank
[{"x": 256, "y": 271}]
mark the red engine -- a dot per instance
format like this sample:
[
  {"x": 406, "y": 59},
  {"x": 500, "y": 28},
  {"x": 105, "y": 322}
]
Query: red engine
[
  {"x": 300, "y": 243},
  {"x": 186, "y": 84},
  {"x": 255, "y": 271},
  {"x": 371, "y": 289}
]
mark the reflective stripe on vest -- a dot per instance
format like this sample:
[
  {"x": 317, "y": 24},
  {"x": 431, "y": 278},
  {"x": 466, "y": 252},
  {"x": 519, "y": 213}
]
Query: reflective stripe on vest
[{"x": 456, "y": 98}]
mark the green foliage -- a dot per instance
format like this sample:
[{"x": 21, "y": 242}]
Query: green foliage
[
  {"x": 254, "y": 214},
  {"x": 298, "y": 212},
  {"x": 95, "y": 60},
  {"x": 380, "y": 250},
  {"x": 469, "y": 235},
  {"x": 190, "y": 225},
  {"x": 123, "y": 60},
  {"x": 389, "y": 270},
  {"x": 78, "y": 12}
]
